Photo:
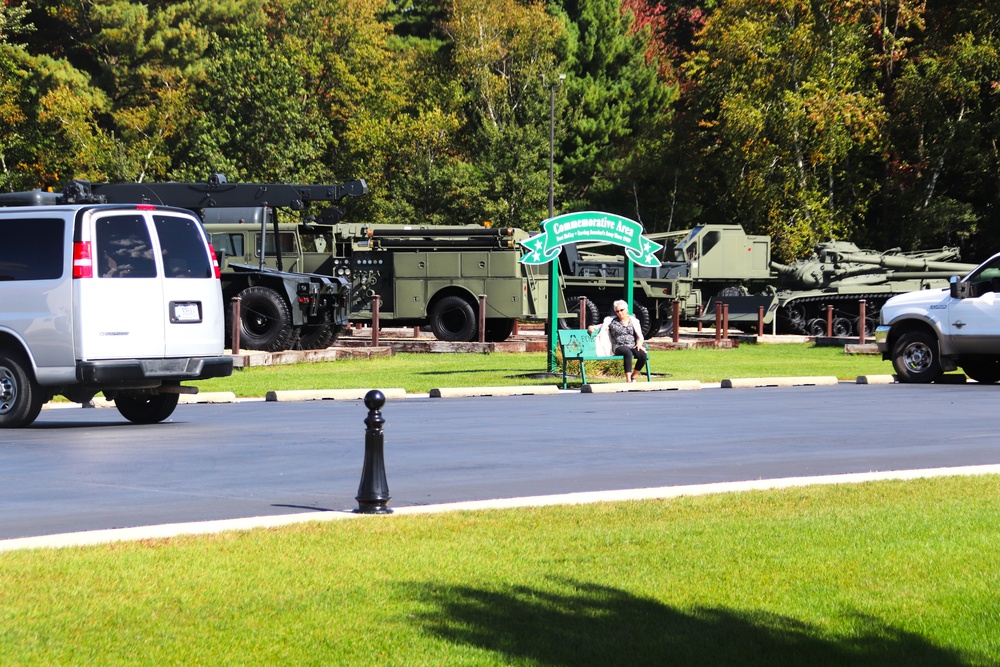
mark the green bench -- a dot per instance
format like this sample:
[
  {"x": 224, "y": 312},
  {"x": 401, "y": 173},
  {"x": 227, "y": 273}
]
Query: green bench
[{"x": 578, "y": 345}]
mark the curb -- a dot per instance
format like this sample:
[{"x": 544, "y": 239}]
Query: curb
[
  {"x": 876, "y": 379},
  {"x": 666, "y": 385},
  {"x": 465, "y": 392},
  {"x": 742, "y": 383},
  {"x": 328, "y": 394},
  {"x": 185, "y": 399}
]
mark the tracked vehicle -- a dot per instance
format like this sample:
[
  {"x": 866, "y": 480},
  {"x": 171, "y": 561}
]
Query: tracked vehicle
[{"x": 840, "y": 274}]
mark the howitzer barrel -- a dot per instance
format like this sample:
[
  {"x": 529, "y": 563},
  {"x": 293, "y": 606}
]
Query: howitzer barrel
[{"x": 910, "y": 263}]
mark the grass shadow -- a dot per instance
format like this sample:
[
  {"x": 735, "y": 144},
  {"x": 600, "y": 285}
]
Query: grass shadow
[{"x": 586, "y": 624}]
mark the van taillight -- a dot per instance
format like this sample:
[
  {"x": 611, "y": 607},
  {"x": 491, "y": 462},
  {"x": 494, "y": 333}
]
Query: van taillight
[
  {"x": 83, "y": 263},
  {"x": 146, "y": 207},
  {"x": 215, "y": 261}
]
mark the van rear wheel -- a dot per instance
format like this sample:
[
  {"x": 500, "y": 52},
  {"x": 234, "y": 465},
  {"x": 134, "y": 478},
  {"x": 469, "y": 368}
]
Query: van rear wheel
[
  {"x": 146, "y": 408},
  {"x": 20, "y": 396}
]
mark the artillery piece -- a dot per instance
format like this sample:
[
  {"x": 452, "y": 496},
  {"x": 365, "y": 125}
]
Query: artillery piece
[{"x": 840, "y": 274}]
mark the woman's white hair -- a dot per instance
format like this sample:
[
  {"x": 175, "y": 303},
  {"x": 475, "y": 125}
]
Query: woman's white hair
[{"x": 620, "y": 303}]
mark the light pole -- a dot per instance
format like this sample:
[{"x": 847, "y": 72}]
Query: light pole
[
  {"x": 552, "y": 141},
  {"x": 554, "y": 264}
]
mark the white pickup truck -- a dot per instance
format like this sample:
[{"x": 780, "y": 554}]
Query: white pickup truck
[{"x": 930, "y": 332}]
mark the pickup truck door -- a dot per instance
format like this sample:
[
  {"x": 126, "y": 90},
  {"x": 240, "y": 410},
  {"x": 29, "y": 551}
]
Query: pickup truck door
[{"x": 973, "y": 323}]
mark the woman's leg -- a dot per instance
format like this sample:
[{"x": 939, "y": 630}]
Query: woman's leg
[
  {"x": 640, "y": 359},
  {"x": 627, "y": 354}
]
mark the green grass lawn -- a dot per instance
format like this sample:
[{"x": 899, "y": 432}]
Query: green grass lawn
[
  {"x": 887, "y": 574},
  {"x": 423, "y": 372}
]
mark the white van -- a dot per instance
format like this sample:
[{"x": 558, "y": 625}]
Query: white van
[{"x": 120, "y": 299}]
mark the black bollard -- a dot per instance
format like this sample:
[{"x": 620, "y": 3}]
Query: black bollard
[{"x": 373, "y": 492}]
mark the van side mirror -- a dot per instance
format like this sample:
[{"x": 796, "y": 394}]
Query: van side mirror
[{"x": 959, "y": 288}]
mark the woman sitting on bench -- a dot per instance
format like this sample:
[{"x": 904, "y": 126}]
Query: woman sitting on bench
[{"x": 622, "y": 335}]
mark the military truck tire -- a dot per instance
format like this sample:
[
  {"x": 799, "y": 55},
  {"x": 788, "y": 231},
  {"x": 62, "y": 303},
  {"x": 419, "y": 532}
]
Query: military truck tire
[
  {"x": 21, "y": 398},
  {"x": 498, "y": 329},
  {"x": 265, "y": 320},
  {"x": 916, "y": 358},
  {"x": 146, "y": 408},
  {"x": 315, "y": 337},
  {"x": 984, "y": 370},
  {"x": 573, "y": 306},
  {"x": 454, "y": 319},
  {"x": 642, "y": 312}
]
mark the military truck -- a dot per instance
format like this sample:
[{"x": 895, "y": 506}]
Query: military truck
[
  {"x": 423, "y": 275},
  {"x": 282, "y": 306},
  {"x": 432, "y": 275},
  {"x": 707, "y": 265}
]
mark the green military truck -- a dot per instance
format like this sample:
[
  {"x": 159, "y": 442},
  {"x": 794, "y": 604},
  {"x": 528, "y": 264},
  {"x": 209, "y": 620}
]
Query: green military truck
[
  {"x": 281, "y": 306},
  {"x": 423, "y": 275},
  {"x": 432, "y": 275},
  {"x": 707, "y": 265}
]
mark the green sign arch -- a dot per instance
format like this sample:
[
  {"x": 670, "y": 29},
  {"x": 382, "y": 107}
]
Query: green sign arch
[{"x": 590, "y": 226}]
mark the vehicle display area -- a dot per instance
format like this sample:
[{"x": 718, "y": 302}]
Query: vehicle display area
[{"x": 84, "y": 469}]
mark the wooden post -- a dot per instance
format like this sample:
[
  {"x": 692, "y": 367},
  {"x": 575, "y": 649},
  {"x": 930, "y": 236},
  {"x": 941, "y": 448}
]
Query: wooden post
[
  {"x": 237, "y": 325},
  {"x": 829, "y": 320},
  {"x": 376, "y": 302},
  {"x": 482, "y": 318},
  {"x": 718, "y": 322},
  {"x": 583, "y": 313},
  {"x": 862, "y": 315},
  {"x": 760, "y": 321},
  {"x": 677, "y": 321}
]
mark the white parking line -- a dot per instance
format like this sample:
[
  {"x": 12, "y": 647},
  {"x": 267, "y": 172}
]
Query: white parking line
[{"x": 208, "y": 527}]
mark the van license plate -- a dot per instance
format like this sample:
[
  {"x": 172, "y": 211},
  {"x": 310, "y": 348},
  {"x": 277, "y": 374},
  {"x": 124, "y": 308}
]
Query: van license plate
[{"x": 185, "y": 311}]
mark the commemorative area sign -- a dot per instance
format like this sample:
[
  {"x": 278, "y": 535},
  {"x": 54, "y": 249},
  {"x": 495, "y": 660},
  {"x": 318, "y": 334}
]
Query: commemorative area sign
[{"x": 590, "y": 226}]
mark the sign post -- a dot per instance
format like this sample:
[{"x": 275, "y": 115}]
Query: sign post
[{"x": 586, "y": 226}]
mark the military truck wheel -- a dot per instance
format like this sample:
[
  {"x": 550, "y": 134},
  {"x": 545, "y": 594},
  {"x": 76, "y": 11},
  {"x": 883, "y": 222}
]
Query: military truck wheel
[
  {"x": 146, "y": 408},
  {"x": 915, "y": 357},
  {"x": 454, "y": 319},
  {"x": 642, "y": 312},
  {"x": 984, "y": 370},
  {"x": 498, "y": 329},
  {"x": 265, "y": 320},
  {"x": 315, "y": 337},
  {"x": 573, "y": 306},
  {"x": 21, "y": 398}
]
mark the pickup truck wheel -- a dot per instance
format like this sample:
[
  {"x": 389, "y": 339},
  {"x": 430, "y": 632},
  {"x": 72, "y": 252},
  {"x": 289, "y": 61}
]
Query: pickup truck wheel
[
  {"x": 984, "y": 370},
  {"x": 916, "y": 358},
  {"x": 146, "y": 408},
  {"x": 20, "y": 396},
  {"x": 265, "y": 320},
  {"x": 454, "y": 319}
]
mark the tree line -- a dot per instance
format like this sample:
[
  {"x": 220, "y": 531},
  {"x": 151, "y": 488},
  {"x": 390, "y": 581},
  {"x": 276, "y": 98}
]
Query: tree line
[{"x": 875, "y": 121}]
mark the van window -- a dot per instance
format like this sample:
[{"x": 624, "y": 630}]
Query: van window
[
  {"x": 124, "y": 249},
  {"x": 31, "y": 248},
  {"x": 183, "y": 248}
]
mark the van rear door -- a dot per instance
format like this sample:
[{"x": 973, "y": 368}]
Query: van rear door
[
  {"x": 118, "y": 305},
  {"x": 192, "y": 295}
]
